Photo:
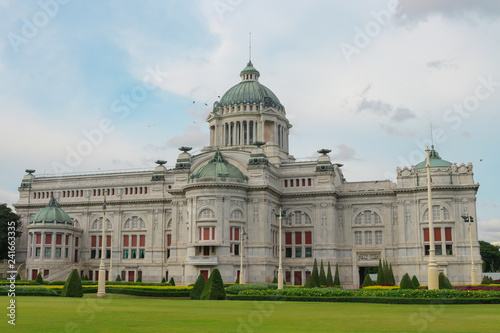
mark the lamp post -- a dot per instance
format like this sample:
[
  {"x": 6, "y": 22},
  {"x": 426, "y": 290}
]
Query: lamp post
[
  {"x": 280, "y": 265},
  {"x": 242, "y": 234},
  {"x": 432, "y": 271},
  {"x": 101, "y": 286},
  {"x": 470, "y": 219}
]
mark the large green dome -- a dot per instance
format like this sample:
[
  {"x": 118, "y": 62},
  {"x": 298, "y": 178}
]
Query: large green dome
[
  {"x": 52, "y": 213},
  {"x": 434, "y": 160},
  {"x": 218, "y": 167},
  {"x": 249, "y": 90}
]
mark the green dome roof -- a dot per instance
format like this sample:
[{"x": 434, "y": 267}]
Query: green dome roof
[
  {"x": 218, "y": 167},
  {"x": 249, "y": 90},
  {"x": 435, "y": 161},
  {"x": 52, "y": 213}
]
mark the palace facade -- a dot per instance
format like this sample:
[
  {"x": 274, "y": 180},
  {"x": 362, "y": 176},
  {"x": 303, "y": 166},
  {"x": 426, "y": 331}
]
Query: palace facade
[{"x": 188, "y": 220}]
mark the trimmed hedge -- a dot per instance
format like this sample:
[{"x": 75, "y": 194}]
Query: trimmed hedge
[
  {"x": 368, "y": 281},
  {"x": 214, "y": 288},
  {"x": 198, "y": 287},
  {"x": 29, "y": 291},
  {"x": 444, "y": 283},
  {"x": 406, "y": 282},
  {"x": 73, "y": 286}
]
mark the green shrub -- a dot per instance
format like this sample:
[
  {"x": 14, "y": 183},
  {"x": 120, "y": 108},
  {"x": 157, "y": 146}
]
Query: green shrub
[
  {"x": 380, "y": 273},
  {"x": 214, "y": 288},
  {"x": 336, "y": 281},
  {"x": 487, "y": 280},
  {"x": 329, "y": 278},
  {"x": 315, "y": 274},
  {"x": 139, "y": 278},
  {"x": 275, "y": 280},
  {"x": 368, "y": 281},
  {"x": 39, "y": 279},
  {"x": 18, "y": 277},
  {"x": 406, "y": 282},
  {"x": 85, "y": 278},
  {"x": 171, "y": 282},
  {"x": 236, "y": 288},
  {"x": 415, "y": 282},
  {"x": 163, "y": 280},
  {"x": 198, "y": 287},
  {"x": 391, "y": 276},
  {"x": 309, "y": 282},
  {"x": 322, "y": 275},
  {"x": 118, "y": 278},
  {"x": 73, "y": 286},
  {"x": 444, "y": 283},
  {"x": 29, "y": 291},
  {"x": 237, "y": 280}
]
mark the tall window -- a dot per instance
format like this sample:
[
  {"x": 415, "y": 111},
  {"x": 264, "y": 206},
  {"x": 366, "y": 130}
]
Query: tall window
[
  {"x": 443, "y": 242},
  {"x": 206, "y": 233},
  {"x": 234, "y": 238},
  {"x": 298, "y": 244},
  {"x": 358, "y": 238},
  {"x": 96, "y": 249},
  {"x": 134, "y": 246}
]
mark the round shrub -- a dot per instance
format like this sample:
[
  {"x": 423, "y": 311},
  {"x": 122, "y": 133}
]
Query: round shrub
[
  {"x": 406, "y": 282},
  {"x": 73, "y": 286},
  {"x": 415, "y": 282},
  {"x": 198, "y": 287}
]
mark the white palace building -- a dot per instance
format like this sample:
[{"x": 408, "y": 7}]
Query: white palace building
[{"x": 188, "y": 220}]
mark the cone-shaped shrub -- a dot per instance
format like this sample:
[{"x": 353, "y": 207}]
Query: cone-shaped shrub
[
  {"x": 18, "y": 277},
  {"x": 322, "y": 275},
  {"x": 171, "y": 282},
  {"x": 315, "y": 274},
  {"x": 73, "y": 286},
  {"x": 275, "y": 280},
  {"x": 85, "y": 278},
  {"x": 118, "y": 278},
  {"x": 444, "y": 283},
  {"x": 415, "y": 282},
  {"x": 139, "y": 278},
  {"x": 368, "y": 281},
  {"x": 198, "y": 287},
  {"x": 380, "y": 273},
  {"x": 391, "y": 276},
  {"x": 214, "y": 288},
  {"x": 39, "y": 279},
  {"x": 237, "y": 280},
  {"x": 309, "y": 282},
  {"x": 406, "y": 282},
  {"x": 485, "y": 280},
  {"x": 329, "y": 278},
  {"x": 336, "y": 281},
  {"x": 163, "y": 280}
]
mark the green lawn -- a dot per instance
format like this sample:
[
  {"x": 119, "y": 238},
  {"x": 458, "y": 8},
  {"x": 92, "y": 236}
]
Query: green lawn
[{"x": 122, "y": 313}]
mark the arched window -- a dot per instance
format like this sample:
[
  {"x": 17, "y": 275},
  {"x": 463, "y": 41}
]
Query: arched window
[
  {"x": 367, "y": 217},
  {"x": 206, "y": 214},
  {"x": 439, "y": 213},
  {"x": 236, "y": 215}
]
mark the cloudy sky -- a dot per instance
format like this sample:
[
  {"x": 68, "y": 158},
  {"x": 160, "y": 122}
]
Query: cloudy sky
[{"x": 106, "y": 85}]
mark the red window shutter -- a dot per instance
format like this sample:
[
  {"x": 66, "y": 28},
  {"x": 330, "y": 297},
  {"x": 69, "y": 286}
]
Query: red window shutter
[
  {"x": 437, "y": 234},
  {"x": 303, "y": 182},
  {"x": 126, "y": 191},
  {"x": 134, "y": 240},
  {"x": 100, "y": 241},
  {"x": 39, "y": 238},
  {"x": 48, "y": 238},
  {"x": 142, "y": 241},
  {"x": 298, "y": 237},
  {"x": 94, "y": 241},
  {"x": 231, "y": 231},
  {"x": 125, "y": 240},
  {"x": 309, "y": 181},
  {"x": 213, "y": 232},
  {"x": 108, "y": 241},
  {"x": 308, "y": 236},
  {"x": 297, "y": 182},
  {"x": 206, "y": 233},
  {"x": 291, "y": 182},
  {"x": 58, "y": 239},
  {"x": 286, "y": 183},
  {"x": 67, "y": 239},
  {"x": 426, "y": 234},
  {"x": 169, "y": 240},
  {"x": 447, "y": 234},
  {"x": 76, "y": 240},
  {"x": 288, "y": 238},
  {"x": 236, "y": 234},
  {"x": 145, "y": 190}
]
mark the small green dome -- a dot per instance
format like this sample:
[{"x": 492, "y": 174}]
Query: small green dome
[
  {"x": 249, "y": 90},
  {"x": 218, "y": 167},
  {"x": 52, "y": 213},
  {"x": 435, "y": 161}
]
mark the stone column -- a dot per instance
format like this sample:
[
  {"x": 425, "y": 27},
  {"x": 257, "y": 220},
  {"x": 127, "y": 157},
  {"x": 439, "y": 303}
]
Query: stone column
[{"x": 53, "y": 246}]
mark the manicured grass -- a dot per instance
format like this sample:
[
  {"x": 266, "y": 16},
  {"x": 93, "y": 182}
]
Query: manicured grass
[{"x": 123, "y": 313}]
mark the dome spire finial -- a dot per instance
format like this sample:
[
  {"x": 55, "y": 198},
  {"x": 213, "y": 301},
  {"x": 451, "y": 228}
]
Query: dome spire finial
[{"x": 250, "y": 47}]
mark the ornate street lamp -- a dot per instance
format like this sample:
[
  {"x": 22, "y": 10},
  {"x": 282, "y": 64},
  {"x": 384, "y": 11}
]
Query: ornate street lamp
[
  {"x": 470, "y": 219},
  {"x": 101, "y": 287},
  {"x": 432, "y": 271},
  {"x": 280, "y": 267},
  {"x": 242, "y": 235}
]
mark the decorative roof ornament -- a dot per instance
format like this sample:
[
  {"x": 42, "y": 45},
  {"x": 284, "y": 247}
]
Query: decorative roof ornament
[
  {"x": 258, "y": 158},
  {"x": 161, "y": 162},
  {"x": 435, "y": 160},
  {"x": 30, "y": 171},
  {"x": 324, "y": 151},
  {"x": 185, "y": 149}
]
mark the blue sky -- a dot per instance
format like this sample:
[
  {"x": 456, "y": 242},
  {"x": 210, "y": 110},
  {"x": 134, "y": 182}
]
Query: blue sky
[{"x": 116, "y": 80}]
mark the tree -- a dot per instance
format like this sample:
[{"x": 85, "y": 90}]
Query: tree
[
  {"x": 391, "y": 276},
  {"x": 329, "y": 278},
  {"x": 171, "y": 282},
  {"x": 309, "y": 282},
  {"x": 118, "y": 278},
  {"x": 322, "y": 275},
  {"x": 380, "y": 273},
  {"x": 9, "y": 222},
  {"x": 491, "y": 256},
  {"x": 336, "y": 281},
  {"x": 368, "y": 281},
  {"x": 18, "y": 277},
  {"x": 406, "y": 282},
  {"x": 198, "y": 287},
  {"x": 73, "y": 286},
  {"x": 39, "y": 279},
  {"x": 275, "y": 280},
  {"x": 237, "y": 281},
  {"x": 315, "y": 274},
  {"x": 139, "y": 278},
  {"x": 163, "y": 280},
  {"x": 214, "y": 288},
  {"x": 415, "y": 282},
  {"x": 444, "y": 282}
]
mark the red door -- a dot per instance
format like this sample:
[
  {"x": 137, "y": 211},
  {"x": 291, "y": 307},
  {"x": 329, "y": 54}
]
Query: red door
[
  {"x": 298, "y": 278},
  {"x": 204, "y": 273},
  {"x": 34, "y": 273},
  {"x": 130, "y": 276}
]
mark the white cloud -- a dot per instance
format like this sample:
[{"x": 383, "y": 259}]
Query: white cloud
[{"x": 489, "y": 230}]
